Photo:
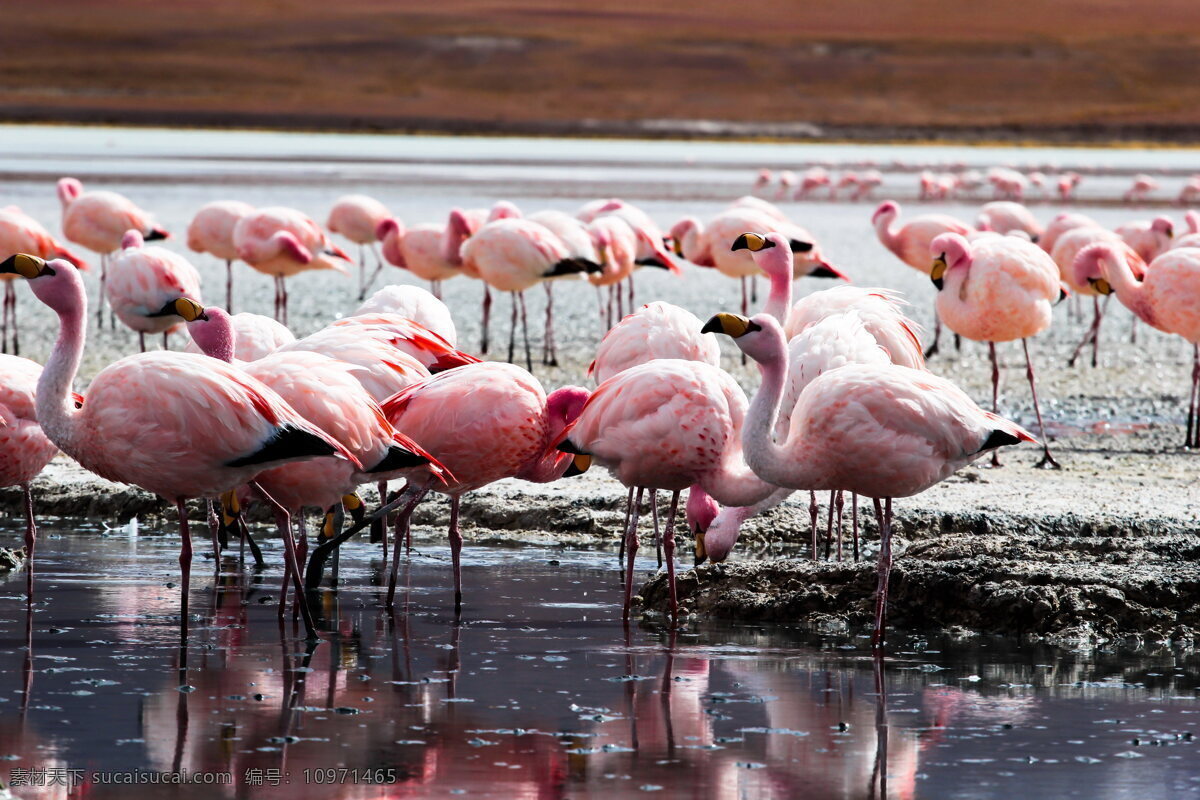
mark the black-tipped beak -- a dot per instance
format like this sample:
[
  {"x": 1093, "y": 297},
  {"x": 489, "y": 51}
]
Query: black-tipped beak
[
  {"x": 26, "y": 266},
  {"x": 579, "y": 465},
  {"x": 752, "y": 242},
  {"x": 712, "y": 326},
  {"x": 938, "y": 283}
]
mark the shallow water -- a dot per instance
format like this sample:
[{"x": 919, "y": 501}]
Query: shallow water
[{"x": 539, "y": 692}]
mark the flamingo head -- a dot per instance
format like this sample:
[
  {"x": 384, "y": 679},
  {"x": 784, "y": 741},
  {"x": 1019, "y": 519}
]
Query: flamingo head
[
  {"x": 504, "y": 210},
  {"x": 1193, "y": 221},
  {"x": 1163, "y": 226},
  {"x": 949, "y": 251},
  {"x": 563, "y": 406},
  {"x": 772, "y": 252},
  {"x": 1089, "y": 266},
  {"x": 759, "y": 337},
  {"x": 132, "y": 238},
  {"x": 56, "y": 283},
  {"x": 887, "y": 210},
  {"x": 458, "y": 229},
  {"x": 388, "y": 227},
  {"x": 68, "y": 190},
  {"x": 701, "y": 511},
  {"x": 683, "y": 236}
]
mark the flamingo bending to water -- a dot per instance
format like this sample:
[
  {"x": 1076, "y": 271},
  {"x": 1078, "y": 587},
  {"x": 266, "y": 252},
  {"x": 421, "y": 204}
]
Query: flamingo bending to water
[
  {"x": 211, "y": 231},
  {"x": 358, "y": 218}
]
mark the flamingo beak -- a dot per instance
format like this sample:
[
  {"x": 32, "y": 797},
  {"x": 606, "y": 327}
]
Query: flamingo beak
[
  {"x": 938, "y": 271},
  {"x": 26, "y": 266}
]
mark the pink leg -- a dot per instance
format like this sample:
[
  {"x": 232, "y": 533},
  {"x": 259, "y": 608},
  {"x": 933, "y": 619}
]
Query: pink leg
[
  {"x": 628, "y": 514},
  {"x": 289, "y": 555},
  {"x": 456, "y": 543},
  {"x": 631, "y": 547},
  {"x": 1047, "y": 461},
  {"x": 885, "y": 567},
  {"x": 995, "y": 392},
  {"x": 487, "y": 313},
  {"x": 229, "y": 285},
  {"x": 1093, "y": 333},
  {"x": 669, "y": 546},
  {"x": 100, "y": 299},
  {"x": 30, "y": 539},
  {"x": 812, "y": 513},
  {"x": 402, "y": 526},
  {"x": 185, "y": 568},
  {"x": 525, "y": 332}
]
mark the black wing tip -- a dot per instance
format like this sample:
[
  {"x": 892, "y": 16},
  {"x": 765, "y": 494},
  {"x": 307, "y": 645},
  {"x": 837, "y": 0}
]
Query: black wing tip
[
  {"x": 999, "y": 438},
  {"x": 799, "y": 246},
  {"x": 651, "y": 262},
  {"x": 287, "y": 444},
  {"x": 399, "y": 458},
  {"x": 154, "y": 235},
  {"x": 573, "y": 266},
  {"x": 567, "y": 446}
]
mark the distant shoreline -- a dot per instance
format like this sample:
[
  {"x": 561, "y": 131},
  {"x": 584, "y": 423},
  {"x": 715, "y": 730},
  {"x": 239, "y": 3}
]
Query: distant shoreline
[{"x": 1082, "y": 135}]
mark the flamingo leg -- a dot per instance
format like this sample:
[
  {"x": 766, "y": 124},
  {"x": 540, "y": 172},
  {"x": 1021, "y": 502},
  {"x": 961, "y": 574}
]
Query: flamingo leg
[
  {"x": 1092, "y": 335},
  {"x": 229, "y": 285},
  {"x": 879, "y": 774},
  {"x": 854, "y": 518},
  {"x": 657, "y": 536},
  {"x": 456, "y": 542},
  {"x": 290, "y": 553},
  {"x": 995, "y": 393},
  {"x": 141, "y": 342},
  {"x": 1192, "y": 438},
  {"x": 829, "y": 524},
  {"x": 284, "y": 299},
  {"x": 1047, "y": 461},
  {"x": 487, "y": 313},
  {"x": 185, "y": 568},
  {"x": 166, "y": 342},
  {"x": 669, "y": 546},
  {"x": 525, "y": 332},
  {"x": 549, "y": 354},
  {"x": 885, "y": 567},
  {"x": 812, "y": 515},
  {"x": 512, "y": 328},
  {"x": 628, "y": 513},
  {"x": 937, "y": 332},
  {"x": 631, "y": 548},
  {"x": 100, "y": 296},
  {"x": 1133, "y": 326},
  {"x": 4, "y": 318},
  {"x": 753, "y": 290},
  {"x": 841, "y": 502},
  {"x": 417, "y": 493},
  {"x": 629, "y": 308},
  {"x": 30, "y": 539},
  {"x": 362, "y": 272}
]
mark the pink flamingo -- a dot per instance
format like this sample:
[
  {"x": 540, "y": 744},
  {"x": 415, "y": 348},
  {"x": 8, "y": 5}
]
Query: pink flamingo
[
  {"x": 414, "y": 303},
  {"x": 419, "y": 250},
  {"x": 868, "y": 182},
  {"x": 1164, "y": 299},
  {"x": 667, "y": 424},
  {"x": 211, "y": 231},
  {"x": 21, "y": 233},
  {"x": 577, "y": 238},
  {"x": 812, "y": 179},
  {"x": 1060, "y": 225},
  {"x": 1067, "y": 185},
  {"x": 787, "y": 179},
  {"x": 849, "y": 180},
  {"x": 910, "y": 243},
  {"x": 141, "y": 280},
  {"x": 877, "y": 430},
  {"x": 383, "y": 368},
  {"x": 358, "y": 217},
  {"x": 512, "y": 255},
  {"x": 1066, "y": 248},
  {"x": 762, "y": 179},
  {"x": 711, "y": 244},
  {"x": 1190, "y": 192},
  {"x": 651, "y": 249},
  {"x": 616, "y": 246},
  {"x": 255, "y": 336},
  {"x": 1143, "y": 186},
  {"x": 1149, "y": 238},
  {"x": 176, "y": 424},
  {"x": 410, "y": 337},
  {"x": 98, "y": 221},
  {"x": 24, "y": 449},
  {"x": 656, "y": 330},
  {"x": 1192, "y": 237},
  {"x": 495, "y": 409},
  {"x": 996, "y": 289},
  {"x": 281, "y": 242},
  {"x": 1005, "y": 216}
]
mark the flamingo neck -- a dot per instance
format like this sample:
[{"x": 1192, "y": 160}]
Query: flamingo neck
[
  {"x": 779, "y": 301},
  {"x": 1128, "y": 289},
  {"x": 56, "y": 410},
  {"x": 770, "y": 460},
  {"x": 887, "y": 233}
]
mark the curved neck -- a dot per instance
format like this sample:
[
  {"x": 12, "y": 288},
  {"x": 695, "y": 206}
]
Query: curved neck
[
  {"x": 1127, "y": 288},
  {"x": 779, "y": 301},
  {"x": 56, "y": 410},
  {"x": 771, "y": 461},
  {"x": 887, "y": 232},
  {"x": 549, "y": 464}
]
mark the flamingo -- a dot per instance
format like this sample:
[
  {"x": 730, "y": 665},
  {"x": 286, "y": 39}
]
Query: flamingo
[
  {"x": 98, "y": 221},
  {"x": 848, "y": 180},
  {"x": 1192, "y": 237},
  {"x": 650, "y": 240},
  {"x": 21, "y": 233},
  {"x": 996, "y": 289},
  {"x": 1060, "y": 225},
  {"x": 812, "y": 179},
  {"x": 616, "y": 245},
  {"x": 416, "y": 304},
  {"x": 667, "y": 424},
  {"x": 24, "y": 449},
  {"x": 1141, "y": 188},
  {"x": 1066, "y": 248},
  {"x": 868, "y": 182},
  {"x": 710, "y": 245},
  {"x": 762, "y": 179},
  {"x": 787, "y": 179},
  {"x": 281, "y": 242},
  {"x": 1149, "y": 238},
  {"x": 407, "y": 336},
  {"x": 878, "y": 430},
  {"x": 656, "y": 330},
  {"x": 910, "y": 243},
  {"x": 483, "y": 423},
  {"x": 141, "y": 280},
  {"x": 1164, "y": 299},
  {"x": 1068, "y": 183},
  {"x": 512, "y": 255},
  {"x": 1005, "y": 216},
  {"x": 461, "y": 226},
  {"x": 580, "y": 245},
  {"x": 176, "y": 424},
  {"x": 358, "y": 218},
  {"x": 1190, "y": 192},
  {"x": 419, "y": 250},
  {"x": 255, "y": 336},
  {"x": 211, "y": 231}
]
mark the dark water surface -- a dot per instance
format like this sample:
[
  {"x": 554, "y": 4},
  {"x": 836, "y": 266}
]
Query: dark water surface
[{"x": 540, "y": 693}]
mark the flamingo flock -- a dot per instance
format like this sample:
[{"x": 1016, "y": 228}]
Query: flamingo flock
[{"x": 251, "y": 413}]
